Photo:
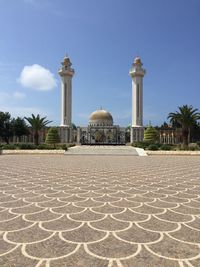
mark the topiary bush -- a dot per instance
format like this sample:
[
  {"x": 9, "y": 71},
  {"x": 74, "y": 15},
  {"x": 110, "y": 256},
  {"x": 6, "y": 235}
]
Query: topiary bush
[
  {"x": 151, "y": 135},
  {"x": 52, "y": 137}
]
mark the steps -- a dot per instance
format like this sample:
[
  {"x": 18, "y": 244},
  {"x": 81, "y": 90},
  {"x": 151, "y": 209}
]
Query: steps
[{"x": 106, "y": 150}]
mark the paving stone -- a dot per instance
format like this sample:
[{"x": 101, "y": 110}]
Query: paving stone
[{"x": 102, "y": 211}]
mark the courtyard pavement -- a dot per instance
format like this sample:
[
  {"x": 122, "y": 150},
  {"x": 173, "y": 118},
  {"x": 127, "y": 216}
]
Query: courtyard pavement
[{"x": 99, "y": 211}]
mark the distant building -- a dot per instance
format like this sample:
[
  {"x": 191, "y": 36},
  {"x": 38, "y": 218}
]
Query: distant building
[{"x": 101, "y": 128}]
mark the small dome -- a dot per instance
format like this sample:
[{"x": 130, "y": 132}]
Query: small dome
[
  {"x": 101, "y": 118},
  {"x": 137, "y": 60}
]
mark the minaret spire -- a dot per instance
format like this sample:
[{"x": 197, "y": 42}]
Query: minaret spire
[
  {"x": 66, "y": 73},
  {"x": 137, "y": 73}
]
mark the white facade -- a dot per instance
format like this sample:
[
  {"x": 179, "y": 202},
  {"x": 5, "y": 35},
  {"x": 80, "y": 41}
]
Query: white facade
[
  {"x": 101, "y": 129},
  {"x": 66, "y": 73},
  {"x": 137, "y": 73}
]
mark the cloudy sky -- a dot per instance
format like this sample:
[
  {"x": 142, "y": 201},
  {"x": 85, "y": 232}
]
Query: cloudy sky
[{"x": 101, "y": 38}]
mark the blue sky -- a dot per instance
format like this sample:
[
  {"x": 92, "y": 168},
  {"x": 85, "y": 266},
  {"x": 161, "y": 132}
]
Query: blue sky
[{"x": 101, "y": 38}]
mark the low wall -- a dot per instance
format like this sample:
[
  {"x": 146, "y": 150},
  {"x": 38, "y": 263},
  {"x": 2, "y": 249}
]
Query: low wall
[
  {"x": 32, "y": 151},
  {"x": 171, "y": 152},
  {"x": 148, "y": 152}
]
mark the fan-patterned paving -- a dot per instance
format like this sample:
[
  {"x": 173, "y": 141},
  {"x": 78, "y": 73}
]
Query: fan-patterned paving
[{"x": 102, "y": 211}]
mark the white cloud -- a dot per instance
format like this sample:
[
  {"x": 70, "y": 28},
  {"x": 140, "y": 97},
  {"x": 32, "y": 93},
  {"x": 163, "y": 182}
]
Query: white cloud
[
  {"x": 4, "y": 96},
  {"x": 19, "y": 95},
  {"x": 37, "y": 77}
]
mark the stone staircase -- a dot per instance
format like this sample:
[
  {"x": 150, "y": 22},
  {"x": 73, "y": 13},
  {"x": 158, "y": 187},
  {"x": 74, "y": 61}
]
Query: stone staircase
[{"x": 105, "y": 150}]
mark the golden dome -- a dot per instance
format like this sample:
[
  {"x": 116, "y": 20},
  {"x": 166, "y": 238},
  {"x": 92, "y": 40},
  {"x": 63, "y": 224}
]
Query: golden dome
[
  {"x": 101, "y": 118},
  {"x": 137, "y": 60}
]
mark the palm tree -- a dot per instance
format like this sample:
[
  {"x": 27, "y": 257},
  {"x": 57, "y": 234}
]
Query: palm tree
[
  {"x": 37, "y": 123},
  {"x": 186, "y": 116}
]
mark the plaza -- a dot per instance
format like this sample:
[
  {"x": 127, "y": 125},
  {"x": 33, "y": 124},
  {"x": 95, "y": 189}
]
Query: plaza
[{"x": 102, "y": 211}]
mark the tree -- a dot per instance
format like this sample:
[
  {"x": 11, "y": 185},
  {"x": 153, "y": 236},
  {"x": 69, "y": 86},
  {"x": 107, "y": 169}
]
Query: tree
[
  {"x": 6, "y": 127},
  {"x": 195, "y": 133},
  {"x": 20, "y": 127},
  {"x": 128, "y": 134},
  {"x": 37, "y": 123},
  {"x": 151, "y": 135},
  {"x": 52, "y": 137},
  {"x": 186, "y": 116}
]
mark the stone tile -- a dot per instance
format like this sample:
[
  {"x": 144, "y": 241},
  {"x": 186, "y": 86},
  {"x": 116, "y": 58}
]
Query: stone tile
[
  {"x": 146, "y": 209},
  {"x": 14, "y": 224},
  {"x": 112, "y": 247},
  {"x": 147, "y": 259},
  {"x": 126, "y": 211},
  {"x": 6, "y": 215},
  {"x": 61, "y": 224},
  {"x": 173, "y": 216},
  {"x": 195, "y": 224},
  {"x": 183, "y": 209},
  {"x": 79, "y": 259},
  {"x": 138, "y": 235},
  {"x": 28, "y": 235},
  {"x": 187, "y": 234},
  {"x": 44, "y": 215},
  {"x": 158, "y": 225},
  {"x": 83, "y": 234},
  {"x": 130, "y": 216},
  {"x": 50, "y": 248},
  {"x": 174, "y": 249},
  {"x": 110, "y": 224},
  {"x": 16, "y": 259},
  {"x": 5, "y": 246},
  {"x": 31, "y": 208},
  {"x": 108, "y": 209}
]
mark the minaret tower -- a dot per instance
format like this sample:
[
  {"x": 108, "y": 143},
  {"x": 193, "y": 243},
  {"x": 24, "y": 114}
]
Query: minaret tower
[
  {"x": 66, "y": 73},
  {"x": 137, "y": 73}
]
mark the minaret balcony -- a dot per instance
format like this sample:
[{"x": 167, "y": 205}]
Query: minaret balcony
[
  {"x": 63, "y": 72},
  {"x": 137, "y": 72}
]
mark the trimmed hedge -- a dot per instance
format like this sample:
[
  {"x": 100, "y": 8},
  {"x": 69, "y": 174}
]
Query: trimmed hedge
[
  {"x": 153, "y": 147},
  {"x": 32, "y": 146}
]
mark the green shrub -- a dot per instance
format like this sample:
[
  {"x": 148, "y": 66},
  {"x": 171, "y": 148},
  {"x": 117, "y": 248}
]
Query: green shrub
[
  {"x": 10, "y": 146},
  {"x": 198, "y": 143},
  {"x": 141, "y": 144},
  {"x": 194, "y": 148},
  {"x": 45, "y": 146},
  {"x": 26, "y": 146},
  {"x": 166, "y": 147},
  {"x": 153, "y": 147},
  {"x": 151, "y": 135},
  {"x": 64, "y": 147},
  {"x": 52, "y": 137}
]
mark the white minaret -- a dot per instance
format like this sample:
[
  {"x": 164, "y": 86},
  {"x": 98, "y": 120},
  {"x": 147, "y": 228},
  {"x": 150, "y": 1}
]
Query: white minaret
[
  {"x": 137, "y": 73},
  {"x": 66, "y": 73}
]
